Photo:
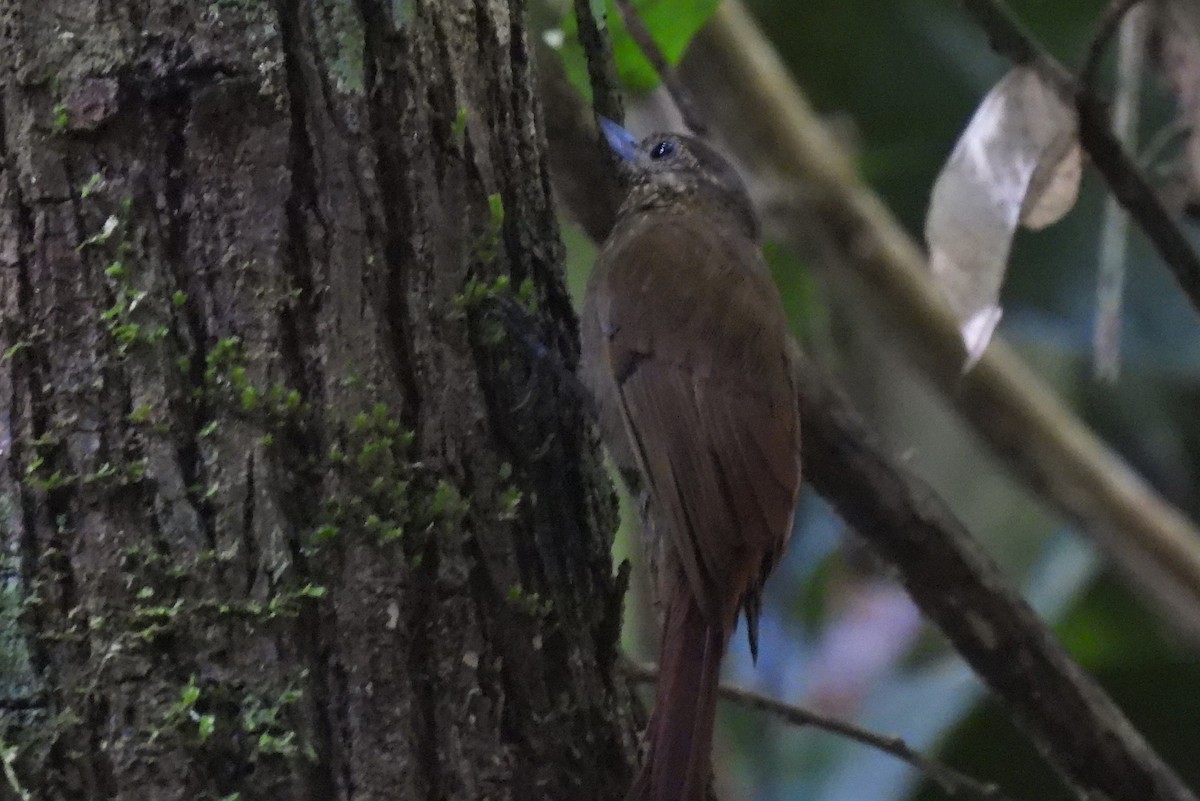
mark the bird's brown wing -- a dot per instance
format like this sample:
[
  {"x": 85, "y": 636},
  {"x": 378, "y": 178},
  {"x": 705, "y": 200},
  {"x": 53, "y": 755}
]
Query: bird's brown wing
[{"x": 696, "y": 343}]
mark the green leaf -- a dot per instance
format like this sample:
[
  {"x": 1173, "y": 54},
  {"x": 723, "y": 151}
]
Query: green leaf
[
  {"x": 496, "y": 209},
  {"x": 188, "y": 696},
  {"x": 205, "y": 725},
  {"x": 672, "y": 23},
  {"x": 458, "y": 129}
]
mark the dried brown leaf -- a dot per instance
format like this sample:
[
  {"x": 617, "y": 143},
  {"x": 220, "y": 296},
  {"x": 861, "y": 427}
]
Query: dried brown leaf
[
  {"x": 1017, "y": 161},
  {"x": 1054, "y": 187}
]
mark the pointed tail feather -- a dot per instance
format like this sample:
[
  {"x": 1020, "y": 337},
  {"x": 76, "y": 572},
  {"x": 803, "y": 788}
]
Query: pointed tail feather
[{"x": 680, "y": 733}]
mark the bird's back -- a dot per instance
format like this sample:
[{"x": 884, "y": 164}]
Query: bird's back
[{"x": 684, "y": 327}]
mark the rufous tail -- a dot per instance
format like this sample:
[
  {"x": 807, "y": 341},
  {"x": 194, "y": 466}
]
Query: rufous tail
[{"x": 680, "y": 733}]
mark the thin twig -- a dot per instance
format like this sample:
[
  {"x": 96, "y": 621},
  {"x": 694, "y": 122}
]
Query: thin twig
[
  {"x": 1138, "y": 197},
  {"x": 754, "y": 102},
  {"x": 645, "y": 41},
  {"x": 752, "y": 99},
  {"x": 1010, "y": 39},
  {"x": 953, "y": 782},
  {"x": 1110, "y": 20},
  {"x": 1166, "y": 136},
  {"x": 1075, "y": 725},
  {"x": 1114, "y": 235},
  {"x": 602, "y": 70}
]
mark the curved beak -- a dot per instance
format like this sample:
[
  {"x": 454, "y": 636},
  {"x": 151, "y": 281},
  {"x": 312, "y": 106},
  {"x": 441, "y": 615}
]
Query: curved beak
[{"x": 622, "y": 142}]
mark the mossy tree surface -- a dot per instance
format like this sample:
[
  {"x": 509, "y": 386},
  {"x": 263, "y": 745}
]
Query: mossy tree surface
[{"x": 290, "y": 518}]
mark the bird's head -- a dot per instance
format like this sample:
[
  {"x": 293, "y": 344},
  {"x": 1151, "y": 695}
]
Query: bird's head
[{"x": 673, "y": 170}]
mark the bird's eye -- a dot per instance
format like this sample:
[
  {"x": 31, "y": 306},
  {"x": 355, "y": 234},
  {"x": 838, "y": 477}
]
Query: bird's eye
[{"x": 663, "y": 149}]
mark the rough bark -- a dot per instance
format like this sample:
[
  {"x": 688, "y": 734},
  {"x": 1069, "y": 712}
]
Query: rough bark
[{"x": 291, "y": 521}]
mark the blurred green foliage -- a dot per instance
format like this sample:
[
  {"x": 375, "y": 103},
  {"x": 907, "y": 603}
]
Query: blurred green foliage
[
  {"x": 672, "y": 23},
  {"x": 900, "y": 79},
  {"x": 905, "y": 77}
]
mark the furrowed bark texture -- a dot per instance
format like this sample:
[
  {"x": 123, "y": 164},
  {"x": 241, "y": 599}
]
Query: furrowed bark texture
[{"x": 290, "y": 519}]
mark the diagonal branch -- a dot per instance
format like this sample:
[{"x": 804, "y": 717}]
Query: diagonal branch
[
  {"x": 953, "y": 782},
  {"x": 1075, "y": 725},
  {"x": 1126, "y": 181},
  {"x": 755, "y": 104}
]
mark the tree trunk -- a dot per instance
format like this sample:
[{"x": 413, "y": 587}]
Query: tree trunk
[{"x": 291, "y": 518}]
